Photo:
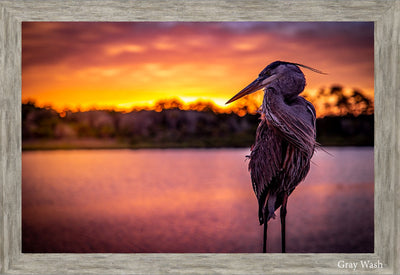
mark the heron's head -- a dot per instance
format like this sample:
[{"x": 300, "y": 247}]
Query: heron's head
[{"x": 285, "y": 76}]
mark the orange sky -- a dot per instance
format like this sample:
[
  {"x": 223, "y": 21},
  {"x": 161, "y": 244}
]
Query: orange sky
[{"x": 71, "y": 64}]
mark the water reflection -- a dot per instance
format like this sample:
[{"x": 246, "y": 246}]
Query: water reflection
[{"x": 188, "y": 201}]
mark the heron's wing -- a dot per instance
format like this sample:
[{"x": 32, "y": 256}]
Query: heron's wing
[{"x": 311, "y": 111}]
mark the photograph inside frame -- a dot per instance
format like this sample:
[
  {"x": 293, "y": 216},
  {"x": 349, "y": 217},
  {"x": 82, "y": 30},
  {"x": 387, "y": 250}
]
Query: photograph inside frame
[{"x": 129, "y": 145}]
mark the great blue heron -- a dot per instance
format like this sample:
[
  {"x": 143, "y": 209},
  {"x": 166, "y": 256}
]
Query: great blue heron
[{"x": 285, "y": 139}]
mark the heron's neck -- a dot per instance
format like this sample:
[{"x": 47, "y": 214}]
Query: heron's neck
[{"x": 277, "y": 99}]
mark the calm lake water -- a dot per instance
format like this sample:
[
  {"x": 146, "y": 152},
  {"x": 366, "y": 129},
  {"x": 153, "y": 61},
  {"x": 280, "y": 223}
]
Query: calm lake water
[{"x": 189, "y": 200}]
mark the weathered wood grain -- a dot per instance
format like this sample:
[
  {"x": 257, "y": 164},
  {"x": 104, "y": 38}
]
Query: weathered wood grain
[{"x": 385, "y": 14}]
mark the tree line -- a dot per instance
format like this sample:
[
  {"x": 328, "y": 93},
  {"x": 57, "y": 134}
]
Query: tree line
[{"x": 169, "y": 124}]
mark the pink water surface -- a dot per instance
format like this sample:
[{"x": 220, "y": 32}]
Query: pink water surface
[{"x": 189, "y": 200}]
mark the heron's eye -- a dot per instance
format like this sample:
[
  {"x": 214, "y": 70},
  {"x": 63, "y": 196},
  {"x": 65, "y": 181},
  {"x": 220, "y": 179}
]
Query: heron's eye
[{"x": 267, "y": 73}]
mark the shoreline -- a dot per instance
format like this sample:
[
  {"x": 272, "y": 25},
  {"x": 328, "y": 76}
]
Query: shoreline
[{"x": 103, "y": 144}]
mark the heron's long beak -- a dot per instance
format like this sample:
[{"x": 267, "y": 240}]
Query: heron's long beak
[{"x": 254, "y": 86}]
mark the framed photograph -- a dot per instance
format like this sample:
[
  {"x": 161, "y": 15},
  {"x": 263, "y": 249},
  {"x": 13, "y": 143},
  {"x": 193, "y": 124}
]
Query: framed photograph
[{"x": 49, "y": 64}]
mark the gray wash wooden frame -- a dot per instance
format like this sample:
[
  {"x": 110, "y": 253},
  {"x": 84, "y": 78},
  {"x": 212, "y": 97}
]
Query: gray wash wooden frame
[{"x": 385, "y": 14}]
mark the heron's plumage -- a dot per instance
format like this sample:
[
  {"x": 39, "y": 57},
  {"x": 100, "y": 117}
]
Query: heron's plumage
[
  {"x": 285, "y": 142},
  {"x": 285, "y": 138}
]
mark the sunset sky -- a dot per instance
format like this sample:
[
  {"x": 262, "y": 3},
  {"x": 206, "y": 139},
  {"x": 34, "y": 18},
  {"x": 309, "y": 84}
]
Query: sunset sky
[{"x": 120, "y": 65}]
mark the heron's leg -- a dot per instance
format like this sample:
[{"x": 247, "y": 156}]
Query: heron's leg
[
  {"x": 265, "y": 232},
  {"x": 283, "y": 218},
  {"x": 264, "y": 213},
  {"x": 262, "y": 202}
]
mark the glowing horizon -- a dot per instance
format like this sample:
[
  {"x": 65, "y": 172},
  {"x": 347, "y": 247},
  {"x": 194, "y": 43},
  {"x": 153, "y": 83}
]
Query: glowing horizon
[{"x": 124, "y": 65}]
